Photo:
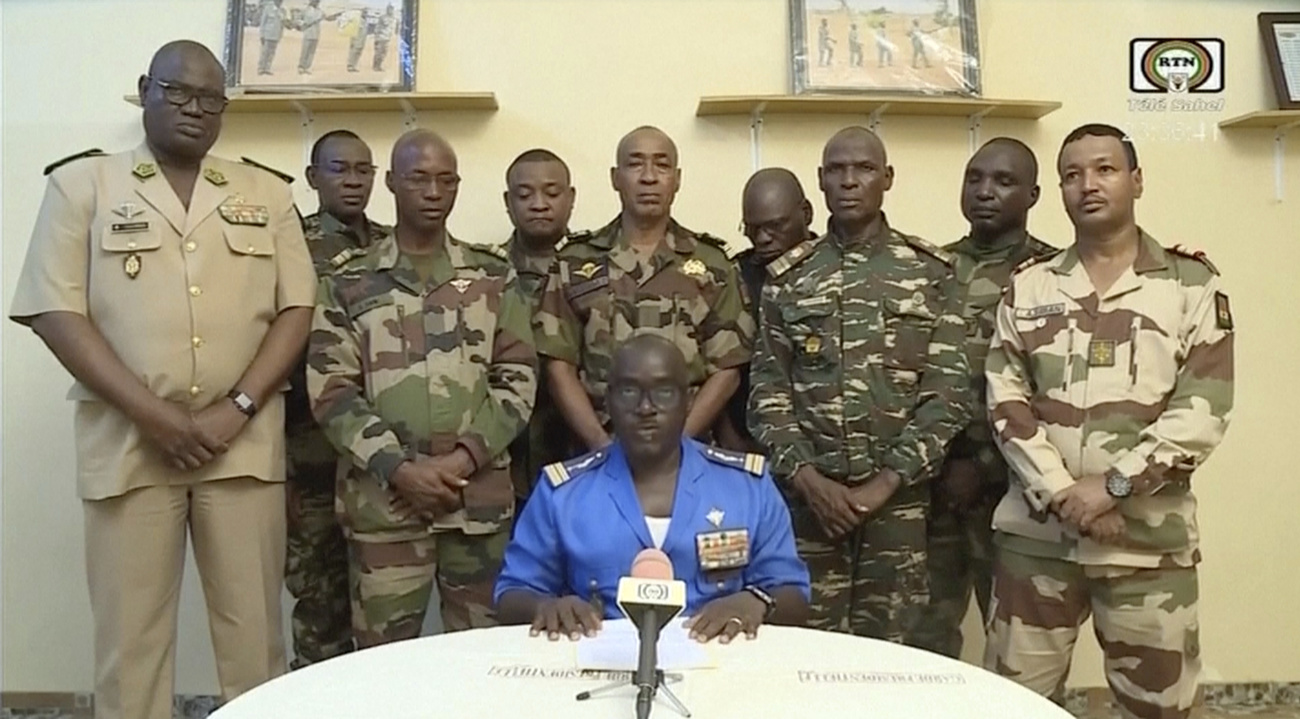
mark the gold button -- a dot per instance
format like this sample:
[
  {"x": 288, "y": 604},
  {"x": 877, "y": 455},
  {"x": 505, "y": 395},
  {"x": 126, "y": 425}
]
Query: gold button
[
  {"x": 198, "y": 341},
  {"x": 251, "y": 249},
  {"x": 191, "y": 246},
  {"x": 194, "y": 391},
  {"x": 195, "y": 291},
  {"x": 130, "y": 245}
]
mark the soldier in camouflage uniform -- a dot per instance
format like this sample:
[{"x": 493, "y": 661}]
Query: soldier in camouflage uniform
[
  {"x": 999, "y": 187},
  {"x": 316, "y": 570},
  {"x": 421, "y": 370},
  {"x": 776, "y": 214},
  {"x": 1110, "y": 381},
  {"x": 860, "y": 382},
  {"x": 539, "y": 199},
  {"x": 642, "y": 272}
]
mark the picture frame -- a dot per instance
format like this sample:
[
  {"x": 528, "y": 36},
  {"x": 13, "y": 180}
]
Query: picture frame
[
  {"x": 321, "y": 46},
  {"x": 1280, "y": 32},
  {"x": 896, "y": 47}
]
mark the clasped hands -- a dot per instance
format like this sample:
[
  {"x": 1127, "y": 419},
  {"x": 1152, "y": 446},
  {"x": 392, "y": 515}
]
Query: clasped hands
[
  {"x": 190, "y": 440},
  {"x": 429, "y": 487},
  {"x": 1088, "y": 507},
  {"x": 839, "y": 508}
]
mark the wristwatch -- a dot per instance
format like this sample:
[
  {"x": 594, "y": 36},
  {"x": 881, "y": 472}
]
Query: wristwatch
[
  {"x": 243, "y": 402},
  {"x": 763, "y": 597},
  {"x": 1118, "y": 485}
]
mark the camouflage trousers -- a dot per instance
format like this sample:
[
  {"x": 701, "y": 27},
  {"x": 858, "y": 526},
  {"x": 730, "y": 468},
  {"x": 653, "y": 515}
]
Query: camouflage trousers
[
  {"x": 959, "y": 556},
  {"x": 871, "y": 582},
  {"x": 1145, "y": 621},
  {"x": 393, "y": 581},
  {"x": 316, "y": 574}
]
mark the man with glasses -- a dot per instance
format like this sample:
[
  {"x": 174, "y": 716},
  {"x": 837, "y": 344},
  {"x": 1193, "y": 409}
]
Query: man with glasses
[
  {"x": 343, "y": 174},
  {"x": 421, "y": 370},
  {"x": 176, "y": 289},
  {"x": 716, "y": 514}
]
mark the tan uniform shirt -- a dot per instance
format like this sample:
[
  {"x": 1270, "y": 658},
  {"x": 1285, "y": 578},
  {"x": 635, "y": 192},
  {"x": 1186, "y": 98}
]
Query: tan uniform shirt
[{"x": 184, "y": 299}]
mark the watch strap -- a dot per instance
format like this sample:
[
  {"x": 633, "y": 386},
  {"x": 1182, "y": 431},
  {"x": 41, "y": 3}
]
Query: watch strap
[{"x": 763, "y": 597}]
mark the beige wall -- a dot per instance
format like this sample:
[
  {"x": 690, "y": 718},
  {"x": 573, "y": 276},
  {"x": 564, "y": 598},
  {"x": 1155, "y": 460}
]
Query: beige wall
[{"x": 573, "y": 75}]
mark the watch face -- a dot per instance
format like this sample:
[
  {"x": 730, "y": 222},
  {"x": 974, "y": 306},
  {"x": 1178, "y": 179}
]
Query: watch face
[{"x": 1118, "y": 485}]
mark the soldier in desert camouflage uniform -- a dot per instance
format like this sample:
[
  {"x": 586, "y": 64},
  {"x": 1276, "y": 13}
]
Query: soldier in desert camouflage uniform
[
  {"x": 642, "y": 272},
  {"x": 316, "y": 571},
  {"x": 860, "y": 382},
  {"x": 539, "y": 199},
  {"x": 999, "y": 187},
  {"x": 1110, "y": 380},
  {"x": 422, "y": 371}
]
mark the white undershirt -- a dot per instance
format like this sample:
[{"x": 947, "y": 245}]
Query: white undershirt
[{"x": 658, "y": 527}]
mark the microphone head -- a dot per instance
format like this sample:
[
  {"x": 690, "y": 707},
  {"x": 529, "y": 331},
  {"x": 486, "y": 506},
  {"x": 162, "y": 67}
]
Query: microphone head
[{"x": 652, "y": 564}]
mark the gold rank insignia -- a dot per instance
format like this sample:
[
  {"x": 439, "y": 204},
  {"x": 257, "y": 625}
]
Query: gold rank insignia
[
  {"x": 812, "y": 345},
  {"x": 131, "y": 265},
  {"x": 694, "y": 268},
  {"x": 145, "y": 170},
  {"x": 214, "y": 177},
  {"x": 240, "y": 214},
  {"x": 1101, "y": 353},
  {"x": 588, "y": 270},
  {"x": 461, "y": 284}
]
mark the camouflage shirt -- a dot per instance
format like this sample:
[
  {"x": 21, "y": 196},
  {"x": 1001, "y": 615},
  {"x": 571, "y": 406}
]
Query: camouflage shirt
[
  {"x": 533, "y": 270},
  {"x": 861, "y": 363},
  {"x": 983, "y": 273},
  {"x": 1140, "y": 380},
  {"x": 398, "y": 367},
  {"x": 600, "y": 294},
  {"x": 311, "y": 459}
]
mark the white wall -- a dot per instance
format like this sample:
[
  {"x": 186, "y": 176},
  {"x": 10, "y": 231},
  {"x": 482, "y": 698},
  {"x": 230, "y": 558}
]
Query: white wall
[{"x": 574, "y": 75}]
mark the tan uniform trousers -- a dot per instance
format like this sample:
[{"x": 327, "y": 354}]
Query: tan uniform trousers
[{"x": 135, "y": 557}]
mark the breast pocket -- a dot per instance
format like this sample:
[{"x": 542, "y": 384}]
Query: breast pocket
[
  {"x": 909, "y": 323},
  {"x": 387, "y": 332},
  {"x": 126, "y": 243},
  {"x": 813, "y": 331},
  {"x": 252, "y": 255}
]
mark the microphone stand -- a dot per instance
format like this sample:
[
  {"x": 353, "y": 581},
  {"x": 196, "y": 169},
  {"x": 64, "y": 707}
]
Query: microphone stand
[
  {"x": 660, "y": 685},
  {"x": 648, "y": 678}
]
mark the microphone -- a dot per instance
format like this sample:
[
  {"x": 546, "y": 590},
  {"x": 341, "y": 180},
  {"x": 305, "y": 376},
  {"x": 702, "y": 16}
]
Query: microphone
[{"x": 650, "y": 598}]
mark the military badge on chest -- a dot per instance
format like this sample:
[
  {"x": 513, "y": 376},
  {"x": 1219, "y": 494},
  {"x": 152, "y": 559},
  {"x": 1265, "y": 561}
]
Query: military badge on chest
[
  {"x": 696, "y": 270},
  {"x": 237, "y": 212},
  {"x": 1101, "y": 353},
  {"x": 586, "y": 278},
  {"x": 723, "y": 550}
]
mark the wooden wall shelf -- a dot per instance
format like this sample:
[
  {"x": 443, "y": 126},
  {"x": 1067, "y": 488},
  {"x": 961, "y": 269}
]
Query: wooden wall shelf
[
  {"x": 358, "y": 102},
  {"x": 1280, "y": 122}
]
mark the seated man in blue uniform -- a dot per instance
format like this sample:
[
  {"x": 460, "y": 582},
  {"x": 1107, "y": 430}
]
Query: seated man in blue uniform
[{"x": 716, "y": 514}]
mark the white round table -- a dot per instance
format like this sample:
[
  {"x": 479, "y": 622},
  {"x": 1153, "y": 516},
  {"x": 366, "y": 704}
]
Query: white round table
[{"x": 504, "y": 673}]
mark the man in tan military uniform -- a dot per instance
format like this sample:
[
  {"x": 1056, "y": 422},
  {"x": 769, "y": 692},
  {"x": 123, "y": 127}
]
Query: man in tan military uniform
[
  {"x": 176, "y": 288},
  {"x": 643, "y": 272}
]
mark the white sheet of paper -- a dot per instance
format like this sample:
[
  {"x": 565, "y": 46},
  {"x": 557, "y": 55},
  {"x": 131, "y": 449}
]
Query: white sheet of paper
[{"x": 616, "y": 648}]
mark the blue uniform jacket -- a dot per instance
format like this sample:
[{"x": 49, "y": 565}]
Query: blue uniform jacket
[{"x": 583, "y": 524}]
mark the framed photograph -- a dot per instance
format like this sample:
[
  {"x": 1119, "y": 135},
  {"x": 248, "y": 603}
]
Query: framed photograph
[
  {"x": 1281, "y": 35},
  {"x": 314, "y": 46},
  {"x": 928, "y": 47}
]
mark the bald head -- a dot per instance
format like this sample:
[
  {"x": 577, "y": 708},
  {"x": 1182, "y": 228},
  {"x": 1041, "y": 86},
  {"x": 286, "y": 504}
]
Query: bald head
[
  {"x": 1017, "y": 151},
  {"x": 774, "y": 185},
  {"x": 183, "y": 52},
  {"x": 645, "y": 135},
  {"x": 419, "y": 141},
  {"x": 424, "y": 182},
  {"x": 856, "y": 137},
  {"x": 651, "y": 350}
]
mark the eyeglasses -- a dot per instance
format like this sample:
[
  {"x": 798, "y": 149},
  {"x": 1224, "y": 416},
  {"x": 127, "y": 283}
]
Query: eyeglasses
[
  {"x": 630, "y": 396},
  {"x": 180, "y": 96},
  {"x": 423, "y": 181}
]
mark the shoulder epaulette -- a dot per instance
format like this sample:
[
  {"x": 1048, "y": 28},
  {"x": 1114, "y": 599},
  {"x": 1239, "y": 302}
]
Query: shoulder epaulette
[
  {"x": 929, "y": 248},
  {"x": 738, "y": 254},
  {"x": 792, "y": 257},
  {"x": 1034, "y": 260},
  {"x": 346, "y": 256},
  {"x": 561, "y": 472},
  {"x": 1042, "y": 249},
  {"x": 1197, "y": 255},
  {"x": 497, "y": 251},
  {"x": 95, "y": 152},
  {"x": 283, "y": 176},
  {"x": 708, "y": 239},
  {"x": 579, "y": 236},
  {"x": 752, "y": 463}
]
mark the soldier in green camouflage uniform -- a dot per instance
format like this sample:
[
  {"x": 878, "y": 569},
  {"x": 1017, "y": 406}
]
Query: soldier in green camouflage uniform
[
  {"x": 316, "y": 572},
  {"x": 1110, "y": 381},
  {"x": 422, "y": 370},
  {"x": 642, "y": 272},
  {"x": 539, "y": 199},
  {"x": 999, "y": 187},
  {"x": 860, "y": 382}
]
